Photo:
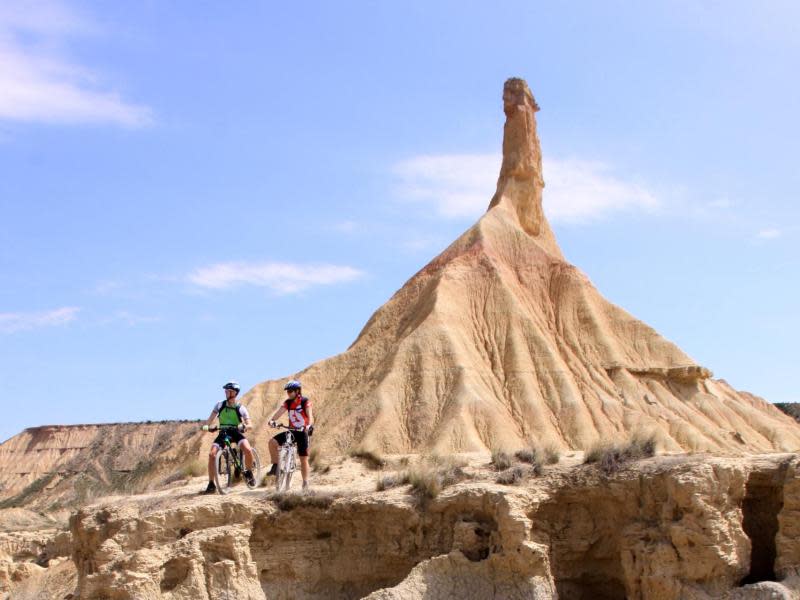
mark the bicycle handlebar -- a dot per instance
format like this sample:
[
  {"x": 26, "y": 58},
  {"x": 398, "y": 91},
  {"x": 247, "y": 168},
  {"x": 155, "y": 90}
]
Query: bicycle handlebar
[
  {"x": 289, "y": 427},
  {"x": 222, "y": 428}
]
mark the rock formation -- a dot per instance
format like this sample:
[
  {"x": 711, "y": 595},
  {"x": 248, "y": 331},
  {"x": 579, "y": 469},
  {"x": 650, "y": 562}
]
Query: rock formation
[
  {"x": 78, "y": 462},
  {"x": 690, "y": 528},
  {"x": 499, "y": 340},
  {"x": 521, "y": 182}
]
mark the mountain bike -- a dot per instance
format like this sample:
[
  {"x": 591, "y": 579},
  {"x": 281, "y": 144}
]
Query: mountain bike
[
  {"x": 287, "y": 459},
  {"x": 230, "y": 462}
]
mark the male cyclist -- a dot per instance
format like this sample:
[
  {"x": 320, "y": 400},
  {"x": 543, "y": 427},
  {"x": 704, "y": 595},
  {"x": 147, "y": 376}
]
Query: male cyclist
[
  {"x": 231, "y": 415},
  {"x": 301, "y": 417}
]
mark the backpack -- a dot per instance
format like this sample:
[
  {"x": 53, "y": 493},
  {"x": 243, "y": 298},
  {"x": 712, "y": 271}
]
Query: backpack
[
  {"x": 303, "y": 403},
  {"x": 237, "y": 407}
]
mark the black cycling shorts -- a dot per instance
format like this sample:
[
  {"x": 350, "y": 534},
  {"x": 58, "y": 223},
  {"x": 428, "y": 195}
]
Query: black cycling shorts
[
  {"x": 235, "y": 435},
  {"x": 301, "y": 437}
]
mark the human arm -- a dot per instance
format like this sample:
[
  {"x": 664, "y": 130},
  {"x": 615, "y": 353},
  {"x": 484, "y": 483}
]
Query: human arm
[
  {"x": 245, "y": 416},
  {"x": 210, "y": 419},
  {"x": 278, "y": 413}
]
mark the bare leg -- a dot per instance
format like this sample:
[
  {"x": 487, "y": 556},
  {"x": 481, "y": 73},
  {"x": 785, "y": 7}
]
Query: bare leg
[
  {"x": 273, "y": 451},
  {"x": 304, "y": 467},
  {"x": 212, "y": 459}
]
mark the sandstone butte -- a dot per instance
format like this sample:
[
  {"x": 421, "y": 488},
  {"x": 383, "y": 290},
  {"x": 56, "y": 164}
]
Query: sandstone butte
[
  {"x": 499, "y": 341},
  {"x": 496, "y": 343}
]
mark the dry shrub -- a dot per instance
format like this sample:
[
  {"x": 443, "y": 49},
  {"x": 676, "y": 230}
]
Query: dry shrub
[
  {"x": 427, "y": 482},
  {"x": 195, "y": 468},
  {"x": 134, "y": 481},
  {"x": 316, "y": 462},
  {"x": 531, "y": 456},
  {"x": 289, "y": 501},
  {"x": 611, "y": 457},
  {"x": 500, "y": 460},
  {"x": 515, "y": 475},
  {"x": 176, "y": 476},
  {"x": 427, "y": 479},
  {"x": 551, "y": 454},
  {"x": 387, "y": 482},
  {"x": 373, "y": 460},
  {"x": 538, "y": 457}
]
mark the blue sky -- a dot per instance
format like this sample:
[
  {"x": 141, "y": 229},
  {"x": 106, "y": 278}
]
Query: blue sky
[{"x": 191, "y": 192}]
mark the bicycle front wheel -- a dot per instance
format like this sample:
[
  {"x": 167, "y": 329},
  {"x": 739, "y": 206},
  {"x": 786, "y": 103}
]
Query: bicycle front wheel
[
  {"x": 284, "y": 475},
  {"x": 223, "y": 474}
]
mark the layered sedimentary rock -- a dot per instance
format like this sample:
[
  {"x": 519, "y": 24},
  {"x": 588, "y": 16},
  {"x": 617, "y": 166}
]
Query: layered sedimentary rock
[
  {"x": 499, "y": 340},
  {"x": 68, "y": 462},
  {"x": 34, "y": 561},
  {"x": 660, "y": 530}
]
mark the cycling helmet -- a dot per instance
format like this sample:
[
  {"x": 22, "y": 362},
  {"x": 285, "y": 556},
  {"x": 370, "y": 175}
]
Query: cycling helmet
[
  {"x": 292, "y": 385},
  {"x": 232, "y": 385}
]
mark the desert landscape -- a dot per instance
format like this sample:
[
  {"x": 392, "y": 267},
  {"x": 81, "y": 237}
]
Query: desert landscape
[{"x": 497, "y": 430}]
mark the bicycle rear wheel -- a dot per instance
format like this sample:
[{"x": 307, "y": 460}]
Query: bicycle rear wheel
[{"x": 223, "y": 474}]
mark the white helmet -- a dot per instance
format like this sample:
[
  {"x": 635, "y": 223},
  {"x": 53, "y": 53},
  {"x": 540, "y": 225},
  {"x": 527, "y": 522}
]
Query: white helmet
[{"x": 232, "y": 385}]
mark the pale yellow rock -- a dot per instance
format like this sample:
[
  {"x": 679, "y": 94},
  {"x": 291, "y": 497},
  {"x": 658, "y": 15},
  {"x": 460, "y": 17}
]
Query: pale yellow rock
[
  {"x": 498, "y": 340},
  {"x": 787, "y": 541},
  {"x": 665, "y": 528}
]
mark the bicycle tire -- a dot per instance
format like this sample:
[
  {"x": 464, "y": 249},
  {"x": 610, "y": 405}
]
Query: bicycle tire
[
  {"x": 292, "y": 466},
  {"x": 284, "y": 475},
  {"x": 223, "y": 473},
  {"x": 280, "y": 475},
  {"x": 256, "y": 469}
]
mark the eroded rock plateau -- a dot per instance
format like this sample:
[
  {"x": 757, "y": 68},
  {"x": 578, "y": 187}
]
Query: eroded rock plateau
[{"x": 665, "y": 528}]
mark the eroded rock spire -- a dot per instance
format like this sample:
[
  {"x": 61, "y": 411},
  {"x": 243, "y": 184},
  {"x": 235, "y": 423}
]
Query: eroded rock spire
[{"x": 521, "y": 182}]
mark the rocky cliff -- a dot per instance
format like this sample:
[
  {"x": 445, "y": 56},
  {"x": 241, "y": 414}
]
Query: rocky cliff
[{"x": 665, "y": 528}]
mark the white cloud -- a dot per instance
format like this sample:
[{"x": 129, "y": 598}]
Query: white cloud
[
  {"x": 104, "y": 288},
  {"x": 345, "y": 226},
  {"x": 420, "y": 244},
  {"x": 130, "y": 318},
  {"x": 720, "y": 203},
  {"x": 280, "y": 277},
  {"x": 12, "y": 322},
  {"x": 461, "y": 185},
  {"x": 38, "y": 80},
  {"x": 458, "y": 185},
  {"x": 769, "y": 234}
]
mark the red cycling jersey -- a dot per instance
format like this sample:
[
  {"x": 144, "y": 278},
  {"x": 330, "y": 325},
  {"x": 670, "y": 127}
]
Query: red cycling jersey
[{"x": 297, "y": 409}]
